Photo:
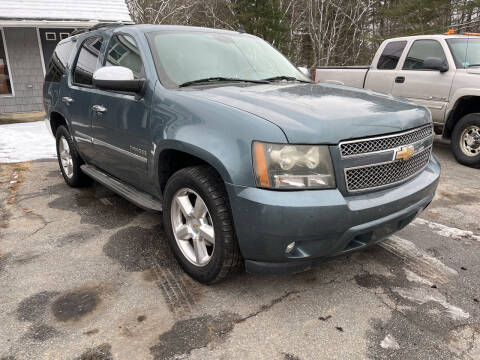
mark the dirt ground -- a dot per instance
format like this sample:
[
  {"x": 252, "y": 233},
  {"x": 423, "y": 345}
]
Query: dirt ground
[{"x": 86, "y": 275}]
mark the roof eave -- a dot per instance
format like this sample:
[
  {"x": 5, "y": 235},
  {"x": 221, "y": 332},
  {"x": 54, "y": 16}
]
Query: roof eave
[{"x": 55, "y": 22}]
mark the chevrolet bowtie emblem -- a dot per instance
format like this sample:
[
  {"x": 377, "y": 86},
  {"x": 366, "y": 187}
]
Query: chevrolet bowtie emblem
[{"x": 404, "y": 153}]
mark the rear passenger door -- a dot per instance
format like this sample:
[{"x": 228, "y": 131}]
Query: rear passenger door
[
  {"x": 430, "y": 88},
  {"x": 78, "y": 99},
  {"x": 382, "y": 75},
  {"x": 121, "y": 131}
]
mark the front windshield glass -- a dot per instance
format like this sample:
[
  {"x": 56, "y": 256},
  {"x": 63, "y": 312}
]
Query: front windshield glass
[
  {"x": 466, "y": 52},
  {"x": 190, "y": 56}
]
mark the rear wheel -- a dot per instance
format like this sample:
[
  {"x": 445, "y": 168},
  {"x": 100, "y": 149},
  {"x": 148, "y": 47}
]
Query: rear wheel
[
  {"x": 466, "y": 140},
  {"x": 69, "y": 160},
  {"x": 198, "y": 224}
]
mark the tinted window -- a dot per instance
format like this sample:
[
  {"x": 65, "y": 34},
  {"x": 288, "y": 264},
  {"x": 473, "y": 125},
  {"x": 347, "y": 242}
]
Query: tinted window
[
  {"x": 87, "y": 61},
  {"x": 59, "y": 61},
  {"x": 391, "y": 54},
  {"x": 123, "y": 51},
  {"x": 420, "y": 50}
]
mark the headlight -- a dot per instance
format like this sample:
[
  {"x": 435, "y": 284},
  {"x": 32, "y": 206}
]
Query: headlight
[{"x": 284, "y": 166}]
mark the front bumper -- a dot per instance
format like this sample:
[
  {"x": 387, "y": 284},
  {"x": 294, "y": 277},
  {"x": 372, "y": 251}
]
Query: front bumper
[{"x": 323, "y": 223}]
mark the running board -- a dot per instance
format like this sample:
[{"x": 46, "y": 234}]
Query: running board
[{"x": 139, "y": 198}]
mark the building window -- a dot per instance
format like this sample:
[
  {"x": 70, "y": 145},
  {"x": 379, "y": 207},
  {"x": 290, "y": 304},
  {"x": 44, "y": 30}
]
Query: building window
[
  {"x": 5, "y": 79},
  {"x": 51, "y": 36},
  {"x": 64, "y": 35}
]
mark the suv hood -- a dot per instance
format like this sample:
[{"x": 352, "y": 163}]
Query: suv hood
[{"x": 321, "y": 113}]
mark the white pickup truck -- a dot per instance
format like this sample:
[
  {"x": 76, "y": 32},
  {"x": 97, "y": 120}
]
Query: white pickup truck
[{"x": 441, "y": 72}]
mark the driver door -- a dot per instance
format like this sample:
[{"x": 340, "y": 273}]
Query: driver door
[
  {"x": 427, "y": 87},
  {"x": 121, "y": 120}
]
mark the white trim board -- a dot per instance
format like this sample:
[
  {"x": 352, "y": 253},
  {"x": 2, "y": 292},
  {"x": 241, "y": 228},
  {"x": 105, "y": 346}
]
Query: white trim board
[{"x": 41, "y": 51}]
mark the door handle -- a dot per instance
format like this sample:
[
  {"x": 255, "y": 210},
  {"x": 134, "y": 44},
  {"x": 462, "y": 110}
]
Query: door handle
[
  {"x": 99, "y": 108},
  {"x": 400, "y": 79},
  {"x": 67, "y": 100}
]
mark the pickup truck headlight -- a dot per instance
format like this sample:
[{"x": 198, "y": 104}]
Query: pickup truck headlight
[{"x": 284, "y": 166}]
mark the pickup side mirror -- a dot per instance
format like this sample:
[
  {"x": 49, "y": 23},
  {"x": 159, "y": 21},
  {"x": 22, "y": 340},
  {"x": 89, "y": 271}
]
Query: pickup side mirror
[
  {"x": 118, "y": 78},
  {"x": 435, "y": 63}
]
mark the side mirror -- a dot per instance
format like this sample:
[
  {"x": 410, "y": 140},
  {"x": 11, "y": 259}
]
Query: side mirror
[
  {"x": 118, "y": 78},
  {"x": 435, "y": 63},
  {"x": 304, "y": 71}
]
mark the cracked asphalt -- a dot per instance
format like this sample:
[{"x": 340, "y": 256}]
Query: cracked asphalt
[{"x": 86, "y": 275}]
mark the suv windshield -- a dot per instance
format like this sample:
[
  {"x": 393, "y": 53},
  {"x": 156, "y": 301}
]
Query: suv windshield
[
  {"x": 183, "y": 57},
  {"x": 466, "y": 52}
]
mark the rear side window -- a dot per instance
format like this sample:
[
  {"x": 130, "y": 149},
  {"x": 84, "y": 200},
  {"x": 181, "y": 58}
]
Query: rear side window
[
  {"x": 390, "y": 55},
  {"x": 420, "y": 50},
  {"x": 123, "y": 51},
  {"x": 59, "y": 61},
  {"x": 87, "y": 61}
]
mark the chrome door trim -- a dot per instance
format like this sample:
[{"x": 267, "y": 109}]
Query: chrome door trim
[{"x": 117, "y": 149}]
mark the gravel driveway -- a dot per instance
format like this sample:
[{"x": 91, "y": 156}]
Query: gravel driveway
[{"x": 86, "y": 275}]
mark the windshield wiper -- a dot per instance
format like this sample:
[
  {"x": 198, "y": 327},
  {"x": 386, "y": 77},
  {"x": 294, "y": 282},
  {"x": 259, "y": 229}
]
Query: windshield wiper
[
  {"x": 220, "y": 79},
  {"x": 284, "y": 77},
  {"x": 473, "y": 65}
]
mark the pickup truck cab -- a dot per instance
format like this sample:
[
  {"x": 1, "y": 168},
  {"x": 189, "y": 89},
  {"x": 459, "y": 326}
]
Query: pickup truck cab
[
  {"x": 441, "y": 72},
  {"x": 249, "y": 161}
]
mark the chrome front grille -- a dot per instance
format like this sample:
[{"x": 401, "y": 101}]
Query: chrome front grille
[
  {"x": 363, "y": 146},
  {"x": 379, "y": 175}
]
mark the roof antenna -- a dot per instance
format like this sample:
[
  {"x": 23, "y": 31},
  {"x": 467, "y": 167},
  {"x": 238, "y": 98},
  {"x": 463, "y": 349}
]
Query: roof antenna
[{"x": 241, "y": 29}]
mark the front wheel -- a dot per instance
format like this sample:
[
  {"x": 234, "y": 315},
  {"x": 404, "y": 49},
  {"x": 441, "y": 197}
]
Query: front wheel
[
  {"x": 466, "y": 140},
  {"x": 199, "y": 226}
]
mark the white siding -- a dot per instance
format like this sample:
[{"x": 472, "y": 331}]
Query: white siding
[{"x": 100, "y": 10}]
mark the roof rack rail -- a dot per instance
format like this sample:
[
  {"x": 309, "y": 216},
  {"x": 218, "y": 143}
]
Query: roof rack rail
[{"x": 99, "y": 26}]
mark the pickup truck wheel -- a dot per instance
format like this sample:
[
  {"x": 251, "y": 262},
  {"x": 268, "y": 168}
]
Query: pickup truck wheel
[
  {"x": 199, "y": 226},
  {"x": 466, "y": 140},
  {"x": 69, "y": 160}
]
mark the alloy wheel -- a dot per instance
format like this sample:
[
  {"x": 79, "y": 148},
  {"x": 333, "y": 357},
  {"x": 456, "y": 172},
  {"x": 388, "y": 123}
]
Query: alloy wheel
[
  {"x": 65, "y": 156},
  {"x": 192, "y": 227}
]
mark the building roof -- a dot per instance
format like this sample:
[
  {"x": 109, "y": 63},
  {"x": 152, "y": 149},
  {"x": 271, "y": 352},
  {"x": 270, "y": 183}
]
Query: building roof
[{"x": 64, "y": 10}]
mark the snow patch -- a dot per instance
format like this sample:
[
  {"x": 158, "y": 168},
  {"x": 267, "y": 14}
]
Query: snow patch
[
  {"x": 413, "y": 277},
  {"x": 424, "y": 295},
  {"x": 419, "y": 261},
  {"x": 26, "y": 142},
  {"x": 390, "y": 343},
  {"x": 447, "y": 231}
]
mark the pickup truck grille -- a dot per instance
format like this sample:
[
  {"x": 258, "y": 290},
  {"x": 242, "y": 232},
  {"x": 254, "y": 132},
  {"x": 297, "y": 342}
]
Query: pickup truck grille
[
  {"x": 364, "y": 146},
  {"x": 374, "y": 176}
]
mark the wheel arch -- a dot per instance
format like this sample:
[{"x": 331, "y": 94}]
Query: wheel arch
[
  {"x": 464, "y": 105},
  {"x": 57, "y": 119},
  {"x": 177, "y": 156}
]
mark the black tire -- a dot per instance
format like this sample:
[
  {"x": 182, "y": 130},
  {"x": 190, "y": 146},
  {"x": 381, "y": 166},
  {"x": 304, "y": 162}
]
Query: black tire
[
  {"x": 225, "y": 258},
  {"x": 460, "y": 155},
  {"x": 78, "y": 178}
]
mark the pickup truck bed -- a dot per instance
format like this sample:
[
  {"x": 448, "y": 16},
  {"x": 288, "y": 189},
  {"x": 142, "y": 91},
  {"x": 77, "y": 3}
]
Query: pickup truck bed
[{"x": 343, "y": 75}]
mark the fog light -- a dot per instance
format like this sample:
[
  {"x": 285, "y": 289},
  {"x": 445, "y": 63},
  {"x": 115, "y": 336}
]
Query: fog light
[{"x": 289, "y": 247}]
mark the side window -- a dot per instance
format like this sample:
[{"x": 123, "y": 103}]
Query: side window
[
  {"x": 420, "y": 50},
  {"x": 59, "y": 61},
  {"x": 123, "y": 51},
  {"x": 87, "y": 61},
  {"x": 390, "y": 55}
]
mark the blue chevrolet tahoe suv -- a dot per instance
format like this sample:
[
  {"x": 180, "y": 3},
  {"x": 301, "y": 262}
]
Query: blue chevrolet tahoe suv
[{"x": 249, "y": 161}]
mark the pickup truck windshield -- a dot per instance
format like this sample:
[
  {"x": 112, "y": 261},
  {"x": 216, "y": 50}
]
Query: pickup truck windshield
[
  {"x": 466, "y": 52},
  {"x": 183, "y": 57}
]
